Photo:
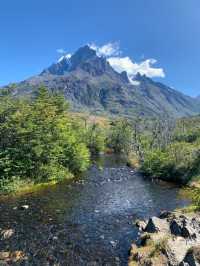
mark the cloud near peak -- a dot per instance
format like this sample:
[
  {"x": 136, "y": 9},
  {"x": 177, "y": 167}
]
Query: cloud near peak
[
  {"x": 144, "y": 68},
  {"x": 107, "y": 50},
  {"x": 60, "y": 51},
  {"x": 113, "y": 54}
]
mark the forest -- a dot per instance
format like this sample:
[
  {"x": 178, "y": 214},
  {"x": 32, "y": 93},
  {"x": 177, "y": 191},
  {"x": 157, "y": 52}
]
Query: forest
[{"x": 41, "y": 141}]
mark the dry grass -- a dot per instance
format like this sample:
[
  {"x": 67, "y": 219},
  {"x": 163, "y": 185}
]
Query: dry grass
[
  {"x": 133, "y": 161},
  {"x": 91, "y": 119},
  {"x": 152, "y": 252}
]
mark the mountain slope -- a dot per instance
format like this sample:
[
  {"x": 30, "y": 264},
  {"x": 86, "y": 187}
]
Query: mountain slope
[{"x": 89, "y": 83}]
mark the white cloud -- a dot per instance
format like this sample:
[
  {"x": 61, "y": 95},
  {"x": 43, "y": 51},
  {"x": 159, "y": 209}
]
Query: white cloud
[
  {"x": 113, "y": 54},
  {"x": 60, "y": 51},
  {"x": 107, "y": 50},
  {"x": 144, "y": 68}
]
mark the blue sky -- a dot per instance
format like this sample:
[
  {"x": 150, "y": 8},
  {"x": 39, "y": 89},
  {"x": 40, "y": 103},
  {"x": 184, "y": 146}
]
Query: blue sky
[{"x": 168, "y": 31}]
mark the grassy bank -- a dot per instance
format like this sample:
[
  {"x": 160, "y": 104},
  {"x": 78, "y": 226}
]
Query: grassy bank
[{"x": 21, "y": 187}]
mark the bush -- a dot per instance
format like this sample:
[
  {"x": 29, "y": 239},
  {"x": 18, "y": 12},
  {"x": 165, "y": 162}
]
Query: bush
[
  {"x": 121, "y": 137},
  {"x": 38, "y": 140},
  {"x": 195, "y": 195},
  {"x": 95, "y": 139},
  {"x": 157, "y": 164},
  {"x": 177, "y": 162}
]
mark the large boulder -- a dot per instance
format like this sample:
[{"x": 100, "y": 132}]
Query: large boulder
[
  {"x": 192, "y": 257},
  {"x": 165, "y": 214},
  {"x": 177, "y": 250},
  {"x": 156, "y": 224},
  {"x": 175, "y": 228},
  {"x": 185, "y": 226}
]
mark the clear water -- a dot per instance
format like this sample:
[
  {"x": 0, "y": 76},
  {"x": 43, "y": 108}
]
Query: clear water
[{"x": 88, "y": 221}]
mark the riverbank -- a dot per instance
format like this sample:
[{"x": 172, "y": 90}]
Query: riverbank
[
  {"x": 195, "y": 182},
  {"x": 30, "y": 187},
  {"x": 173, "y": 238},
  {"x": 23, "y": 186}
]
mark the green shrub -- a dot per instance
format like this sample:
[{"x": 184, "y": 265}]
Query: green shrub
[
  {"x": 39, "y": 140},
  {"x": 121, "y": 137},
  {"x": 157, "y": 164},
  {"x": 195, "y": 195},
  {"x": 95, "y": 139}
]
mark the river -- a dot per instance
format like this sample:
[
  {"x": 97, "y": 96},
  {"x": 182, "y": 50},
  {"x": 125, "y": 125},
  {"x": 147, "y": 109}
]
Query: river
[{"x": 87, "y": 221}]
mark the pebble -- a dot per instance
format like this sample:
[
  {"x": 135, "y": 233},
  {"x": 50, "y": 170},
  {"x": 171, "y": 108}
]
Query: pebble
[
  {"x": 4, "y": 255},
  {"x": 102, "y": 236},
  {"x": 6, "y": 234},
  {"x": 113, "y": 243}
]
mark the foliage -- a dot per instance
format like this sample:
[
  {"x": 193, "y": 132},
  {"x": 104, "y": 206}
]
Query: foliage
[
  {"x": 95, "y": 138},
  {"x": 38, "y": 140},
  {"x": 167, "y": 149},
  {"x": 121, "y": 137},
  {"x": 195, "y": 195},
  {"x": 158, "y": 164}
]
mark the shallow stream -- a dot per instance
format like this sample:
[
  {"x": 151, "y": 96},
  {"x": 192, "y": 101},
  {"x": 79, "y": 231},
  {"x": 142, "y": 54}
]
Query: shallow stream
[{"x": 88, "y": 221}]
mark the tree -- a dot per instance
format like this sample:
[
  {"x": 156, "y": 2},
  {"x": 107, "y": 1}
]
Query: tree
[
  {"x": 95, "y": 137},
  {"x": 121, "y": 137},
  {"x": 38, "y": 140}
]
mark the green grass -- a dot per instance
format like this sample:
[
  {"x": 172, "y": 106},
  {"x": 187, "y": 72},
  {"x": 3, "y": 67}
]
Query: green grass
[{"x": 19, "y": 186}]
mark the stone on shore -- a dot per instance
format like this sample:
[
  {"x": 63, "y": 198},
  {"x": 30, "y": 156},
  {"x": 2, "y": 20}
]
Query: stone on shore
[
  {"x": 173, "y": 239},
  {"x": 157, "y": 225}
]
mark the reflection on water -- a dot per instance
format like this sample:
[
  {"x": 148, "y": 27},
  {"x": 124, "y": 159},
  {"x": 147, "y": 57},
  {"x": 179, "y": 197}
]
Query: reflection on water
[{"x": 87, "y": 221}]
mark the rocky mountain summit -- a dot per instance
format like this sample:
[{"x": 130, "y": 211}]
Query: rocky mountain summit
[
  {"x": 170, "y": 239},
  {"x": 89, "y": 83}
]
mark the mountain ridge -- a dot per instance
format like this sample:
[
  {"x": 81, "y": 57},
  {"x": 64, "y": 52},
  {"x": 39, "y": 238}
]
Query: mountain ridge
[{"x": 90, "y": 83}]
